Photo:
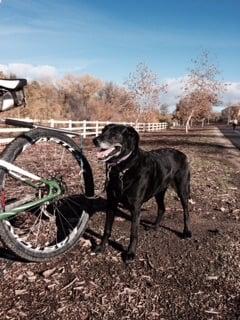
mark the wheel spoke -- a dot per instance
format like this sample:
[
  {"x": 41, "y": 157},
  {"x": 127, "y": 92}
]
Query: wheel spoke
[
  {"x": 62, "y": 216},
  {"x": 62, "y": 227},
  {"x": 38, "y": 229}
]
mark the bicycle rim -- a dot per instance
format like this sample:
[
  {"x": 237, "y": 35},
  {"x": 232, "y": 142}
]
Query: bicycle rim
[{"x": 52, "y": 228}]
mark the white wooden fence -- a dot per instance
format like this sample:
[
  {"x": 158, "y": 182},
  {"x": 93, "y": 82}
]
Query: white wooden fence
[{"x": 86, "y": 128}]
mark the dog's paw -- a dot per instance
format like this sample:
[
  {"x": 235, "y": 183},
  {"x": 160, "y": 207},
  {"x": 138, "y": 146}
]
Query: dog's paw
[
  {"x": 186, "y": 234},
  {"x": 99, "y": 249},
  {"x": 128, "y": 257}
]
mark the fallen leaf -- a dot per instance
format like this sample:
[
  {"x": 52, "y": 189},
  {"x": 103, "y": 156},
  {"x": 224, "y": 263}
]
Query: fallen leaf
[
  {"x": 20, "y": 292},
  {"x": 212, "y": 277},
  {"x": 48, "y": 273}
]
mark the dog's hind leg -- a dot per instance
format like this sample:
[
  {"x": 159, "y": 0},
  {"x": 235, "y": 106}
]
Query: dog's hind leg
[{"x": 182, "y": 181}]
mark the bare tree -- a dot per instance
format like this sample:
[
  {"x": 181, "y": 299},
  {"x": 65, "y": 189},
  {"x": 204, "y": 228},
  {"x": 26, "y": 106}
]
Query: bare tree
[
  {"x": 201, "y": 91},
  {"x": 144, "y": 85},
  {"x": 78, "y": 92},
  {"x": 86, "y": 97},
  {"x": 114, "y": 103}
]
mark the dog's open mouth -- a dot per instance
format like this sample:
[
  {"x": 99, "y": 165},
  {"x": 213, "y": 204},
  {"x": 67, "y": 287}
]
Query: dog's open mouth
[{"x": 105, "y": 154}]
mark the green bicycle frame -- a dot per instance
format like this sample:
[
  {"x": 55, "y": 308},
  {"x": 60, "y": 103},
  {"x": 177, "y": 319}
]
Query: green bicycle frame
[{"x": 53, "y": 187}]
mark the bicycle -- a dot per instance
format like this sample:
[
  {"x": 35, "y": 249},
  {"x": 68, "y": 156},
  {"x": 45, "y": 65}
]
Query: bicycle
[{"x": 44, "y": 181}]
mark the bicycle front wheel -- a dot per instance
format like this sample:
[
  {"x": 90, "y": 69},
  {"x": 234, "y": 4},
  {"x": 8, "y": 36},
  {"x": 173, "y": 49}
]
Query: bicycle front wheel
[{"x": 42, "y": 232}]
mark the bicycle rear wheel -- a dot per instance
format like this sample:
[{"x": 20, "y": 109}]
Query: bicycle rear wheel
[{"x": 52, "y": 228}]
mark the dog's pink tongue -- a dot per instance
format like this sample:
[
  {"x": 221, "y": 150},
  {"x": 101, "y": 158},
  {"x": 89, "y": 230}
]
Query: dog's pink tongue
[{"x": 104, "y": 154}]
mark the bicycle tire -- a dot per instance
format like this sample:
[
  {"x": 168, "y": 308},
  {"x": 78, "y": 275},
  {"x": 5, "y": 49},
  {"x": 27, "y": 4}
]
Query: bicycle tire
[{"x": 9, "y": 233}]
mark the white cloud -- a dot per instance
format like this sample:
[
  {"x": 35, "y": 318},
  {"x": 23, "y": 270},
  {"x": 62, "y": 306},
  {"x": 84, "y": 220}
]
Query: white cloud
[
  {"x": 174, "y": 91},
  {"x": 43, "y": 73},
  {"x": 232, "y": 95}
]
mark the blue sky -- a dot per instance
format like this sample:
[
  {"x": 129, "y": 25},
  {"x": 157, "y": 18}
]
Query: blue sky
[{"x": 107, "y": 38}]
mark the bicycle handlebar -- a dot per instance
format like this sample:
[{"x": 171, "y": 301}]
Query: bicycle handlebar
[
  {"x": 31, "y": 125},
  {"x": 19, "y": 123}
]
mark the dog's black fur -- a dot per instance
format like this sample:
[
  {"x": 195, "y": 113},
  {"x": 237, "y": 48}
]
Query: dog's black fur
[{"x": 134, "y": 176}]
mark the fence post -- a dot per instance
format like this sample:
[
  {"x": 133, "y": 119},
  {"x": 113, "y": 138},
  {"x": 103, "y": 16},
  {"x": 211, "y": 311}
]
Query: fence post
[
  {"x": 84, "y": 128},
  {"x": 52, "y": 123},
  {"x": 97, "y": 128},
  {"x": 70, "y": 124}
]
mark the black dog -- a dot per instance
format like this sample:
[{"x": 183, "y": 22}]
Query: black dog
[{"x": 134, "y": 176}]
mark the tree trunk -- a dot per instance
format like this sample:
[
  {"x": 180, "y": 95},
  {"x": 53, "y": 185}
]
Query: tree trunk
[{"x": 187, "y": 127}]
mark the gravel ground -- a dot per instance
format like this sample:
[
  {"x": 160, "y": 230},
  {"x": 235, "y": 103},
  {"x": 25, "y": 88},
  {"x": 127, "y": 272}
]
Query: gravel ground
[{"x": 171, "y": 279}]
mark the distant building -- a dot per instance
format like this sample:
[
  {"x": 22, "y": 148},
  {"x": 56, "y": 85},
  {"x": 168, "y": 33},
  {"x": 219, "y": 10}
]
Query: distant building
[{"x": 230, "y": 113}]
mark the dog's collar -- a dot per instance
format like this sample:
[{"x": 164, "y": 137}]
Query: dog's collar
[
  {"x": 121, "y": 175},
  {"x": 109, "y": 167},
  {"x": 120, "y": 160}
]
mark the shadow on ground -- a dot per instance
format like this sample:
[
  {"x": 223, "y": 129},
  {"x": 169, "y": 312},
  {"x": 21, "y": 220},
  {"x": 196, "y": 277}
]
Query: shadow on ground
[{"x": 94, "y": 206}]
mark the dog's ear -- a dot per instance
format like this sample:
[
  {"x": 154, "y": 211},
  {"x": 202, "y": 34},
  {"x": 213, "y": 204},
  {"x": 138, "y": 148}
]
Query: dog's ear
[{"x": 134, "y": 135}]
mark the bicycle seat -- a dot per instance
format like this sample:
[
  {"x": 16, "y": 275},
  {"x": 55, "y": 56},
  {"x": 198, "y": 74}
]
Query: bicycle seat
[{"x": 13, "y": 84}]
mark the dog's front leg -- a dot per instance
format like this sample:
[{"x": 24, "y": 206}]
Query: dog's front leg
[
  {"x": 131, "y": 251},
  {"x": 107, "y": 229}
]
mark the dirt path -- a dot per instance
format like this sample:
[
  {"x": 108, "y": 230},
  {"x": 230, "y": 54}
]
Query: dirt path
[
  {"x": 231, "y": 140},
  {"x": 171, "y": 279}
]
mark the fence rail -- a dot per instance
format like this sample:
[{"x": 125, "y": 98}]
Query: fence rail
[{"x": 86, "y": 128}]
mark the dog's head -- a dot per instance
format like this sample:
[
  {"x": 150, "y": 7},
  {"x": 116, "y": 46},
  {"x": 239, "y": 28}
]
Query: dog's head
[{"x": 116, "y": 143}]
